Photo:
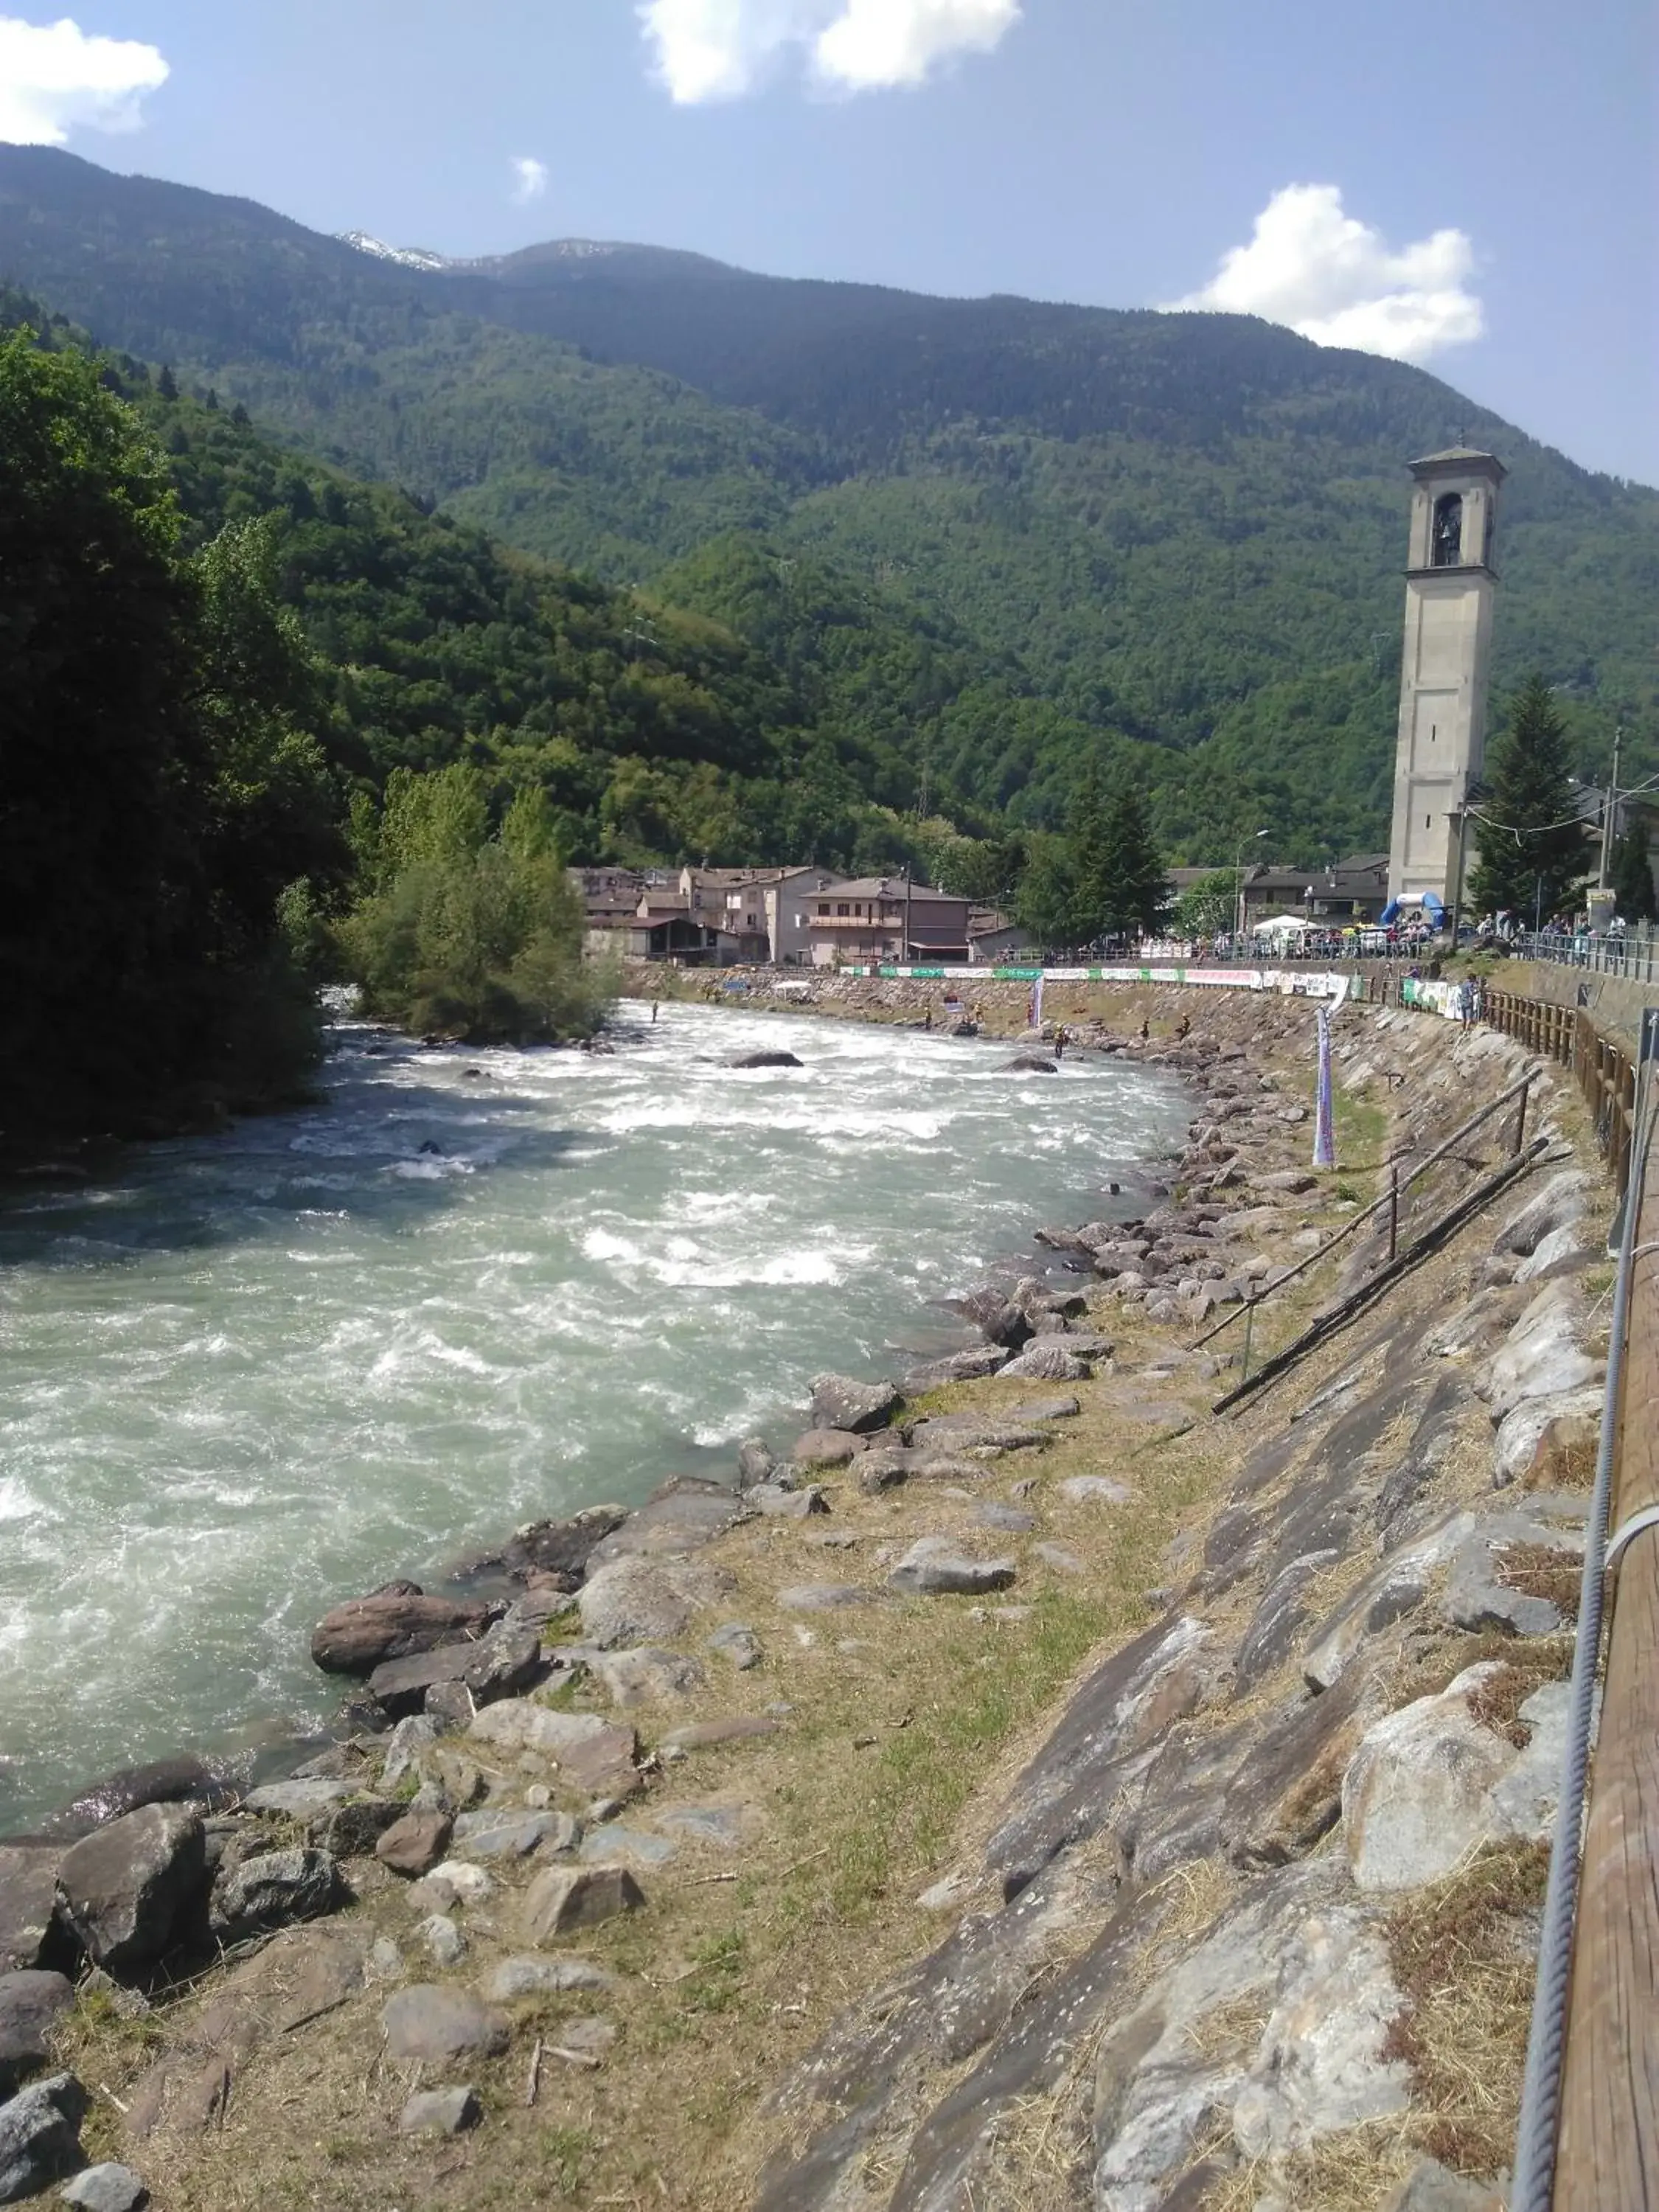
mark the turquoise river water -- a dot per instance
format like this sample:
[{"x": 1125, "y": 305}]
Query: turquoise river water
[{"x": 245, "y": 1375}]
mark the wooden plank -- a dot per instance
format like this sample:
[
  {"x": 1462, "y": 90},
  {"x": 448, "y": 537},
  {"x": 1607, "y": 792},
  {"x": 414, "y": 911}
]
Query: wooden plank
[{"x": 1608, "y": 2156}]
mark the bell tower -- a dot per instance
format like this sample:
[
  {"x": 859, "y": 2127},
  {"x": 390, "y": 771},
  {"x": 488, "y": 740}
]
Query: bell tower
[{"x": 1449, "y": 581}]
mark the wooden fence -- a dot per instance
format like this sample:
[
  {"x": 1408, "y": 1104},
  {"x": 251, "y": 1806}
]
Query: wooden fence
[{"x": 1606, "y": 1072}]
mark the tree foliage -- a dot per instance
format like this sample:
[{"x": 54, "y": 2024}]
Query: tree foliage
[
  {"x": 1533, "y": 853},
  {"x": 1103, "y": 877},
  {"x": 1632, "y": 875}
]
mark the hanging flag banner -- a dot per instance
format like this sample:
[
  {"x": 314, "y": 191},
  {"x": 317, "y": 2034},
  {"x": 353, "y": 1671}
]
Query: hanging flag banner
[
  {"x": 1324, "y": 1128},
  {"x": 1036, "y": 1004}
]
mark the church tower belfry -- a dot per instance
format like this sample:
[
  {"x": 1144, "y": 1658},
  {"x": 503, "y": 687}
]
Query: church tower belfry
[{"x": 1449, "y": 581}]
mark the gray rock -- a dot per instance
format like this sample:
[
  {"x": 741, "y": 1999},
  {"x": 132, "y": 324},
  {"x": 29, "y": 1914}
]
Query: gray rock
[
  {"x": 1095, "y": 1490},
  {"x": 1048, "y": 1360},
  {"x": 826, "y": 1448},
  {"x": 722, "y": 1826},
  {"x": 738, "y": 1643},
  {"x": 28, "y": 1900},
  {"x": 1476, "y": 1595},
  {"x": 107, "y": 2188},
  {"x": 445, "y": 1943},
  {"x": 956, "y": 1367},
  {"x": 498, "y": 1835},
  {"x": 768, "y": 1060},
  {"x": 566, "y": 1899},
  {"x": 1058, "y": 1409},
  {"x": 613, "y": 1844},
  {"x": 431, "y": 2023},
  {"x": 557, "y": 1552},
  {"x": 932, "y": 1567},
  {"x": 297, "y": 1801},
  {"x": 535, "y": 1977},
  {"x": 498, "y": 1665},
  {"x": 270, "y": 1890},
  {"x": 126, "y": 1888},
  {"x": 1057, "y": 1557},
  {"x": 739, "y": 1728},
  {"x": 32, "y": 2003},
  {"x": 358, "y": 1636},
  {"x": 963, "y": 1432},
  {"x": 680, "y": 1516},
  {"x": 754, "y": 1463},
  {"x": 822, "y": 1597},
  {"x": 646, "y": 1675},
  {"x": 1320, "y": 2067},
  {"x": 1562, "y": 1200},
  {"x": 592, "y": 2038},
  {"x": 440, "y": 2111},
  {"x": 841, "y": 1402},
  {"x": 771, "y": 1499},
  {"x": 40, "y": 2136},
  {"x": 645, "y": 1601},
  {"x": 992, "y": 1514},
  {"x": 995, "y": 1315},
  {"x": 414, "y": 1845},
  {"x": 1432, "y": 2187},
  {"x": 403, "y": 1748},
  {"x": 355, "y": 1828},
  {"x": 1539, "y": 1426},
  {"x": 1294, "y": 1180},
  {"x": 1541, "y": 1357},
  {"x": 1030, "y": 1063}
]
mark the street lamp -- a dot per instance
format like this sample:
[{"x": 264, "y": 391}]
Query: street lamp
[{"x": 1238, "y": 927}]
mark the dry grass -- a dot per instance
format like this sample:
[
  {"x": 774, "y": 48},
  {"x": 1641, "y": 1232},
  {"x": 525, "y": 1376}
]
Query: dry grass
[
  {"x": 1542, "y": 1570},
  {"x": 1463, "y": 1954}
]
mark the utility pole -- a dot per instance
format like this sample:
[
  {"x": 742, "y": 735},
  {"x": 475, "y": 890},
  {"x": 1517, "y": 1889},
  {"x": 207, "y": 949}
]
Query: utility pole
[{"x": 1609, "y": 812}]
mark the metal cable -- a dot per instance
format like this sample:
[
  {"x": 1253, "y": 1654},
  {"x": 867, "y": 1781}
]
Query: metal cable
[{"x": 1541, "y": 2091}]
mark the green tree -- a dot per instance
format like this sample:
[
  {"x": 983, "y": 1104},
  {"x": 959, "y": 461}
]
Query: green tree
[
  {"x": 1533, "y": 849},
  {"x": 1209, "y": 905},
  {"x": 1137, "y": 884},
  {"x": 1632, "y": 875}
]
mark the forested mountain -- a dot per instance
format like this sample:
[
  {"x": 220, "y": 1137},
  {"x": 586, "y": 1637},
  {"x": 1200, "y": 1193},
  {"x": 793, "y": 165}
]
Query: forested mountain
[{"x": 982, "y": 539}]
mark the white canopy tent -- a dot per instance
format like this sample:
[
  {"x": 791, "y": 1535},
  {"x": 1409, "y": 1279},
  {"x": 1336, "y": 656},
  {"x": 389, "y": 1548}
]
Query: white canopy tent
[{"x": 1280, "y": 925}]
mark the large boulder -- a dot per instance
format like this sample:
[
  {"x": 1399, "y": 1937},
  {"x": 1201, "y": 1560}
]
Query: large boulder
[
  {"x": 28, "y": 1900},
  {"x": 1322, "y": 2065},
  {"x": 31, "y": 2005},
  {"x": 554, "y": 1551},
  {"x": 1542, "y": 1356},
  {"x": 269, "y": 1890},
  {"x": 1562, "y": 1200},
  {"x": 934, "y": 1567},
  {"x": 768, "y": 1060},
  {"x": 681, "y": 1515},
  {"x": 1540, "y": 1429},
  {"x": 996, "y": 1316},
  {"x": 498, "y": 1665},
  {"x": 827, "y": 1447},
  {"x": 646, "y": 1600},
  {"x": 183, "y": 1779},
  {"x": 359, "y": 1636},
  {"x": 956, "y": 1367},
  {"x": 125, "y": 1890},
  {"x": 840, "y": 1402},
  {"x": 1048, "y": 1359},
  {"x": 40, "y": 2136}
]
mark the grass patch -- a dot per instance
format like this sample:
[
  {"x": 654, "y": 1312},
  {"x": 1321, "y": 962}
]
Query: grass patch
[
  {"x": 1541, "y": 1571},
  {"x": 1463, "y": 1952}
]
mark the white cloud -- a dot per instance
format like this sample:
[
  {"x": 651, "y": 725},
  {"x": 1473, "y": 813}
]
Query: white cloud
[
  {"x": 529, "y": 178},
  {"x": 54, "y": 79},
  {"x": 706, "y": 50},
  {"x": 1339, "y": 282},
  {"x": 874, "y": 42}
]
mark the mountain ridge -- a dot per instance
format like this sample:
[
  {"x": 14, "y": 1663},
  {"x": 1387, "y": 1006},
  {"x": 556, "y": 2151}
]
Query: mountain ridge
[{"x": 1187, "y": 530}]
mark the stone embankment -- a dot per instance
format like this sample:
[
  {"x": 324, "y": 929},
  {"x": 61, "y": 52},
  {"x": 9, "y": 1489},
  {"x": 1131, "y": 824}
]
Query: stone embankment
[{"x": 1021, "y": 1787}]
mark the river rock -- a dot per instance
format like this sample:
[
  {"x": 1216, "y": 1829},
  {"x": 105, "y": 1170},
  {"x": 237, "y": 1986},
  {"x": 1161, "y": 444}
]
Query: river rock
[
  {"x": 505, "y": 1835},
  {"x": 1061, "y": 1407},
  {"x": 314, "y": 1800},
  {"x": 1048, "y": 1360},
  {"x": 1477, "y": 1596},
  {"x": 956, "y": 1367},
  {"x": 183, "y": 1779},
  {"x": 776, "y": 1504},
  {"x": 820, "y": 1597},
  {"x": 646, "y": 1675},
  {"x": 40, "y": 2136},
  {"x": 534, "y": 1978},
  {"x": 680, "y": 1516},
  {"x": 1320, "y": 2065},
  {"x": 1095, "y": 1490},
  {"x": 106, "y": 2188},
  {"x": 404, "y": 1748},
  {"x": 1030, "y": 1063},
  {"x": 934, "y": 1567},
  {"x": 271, "y": 1889},
  {"x": 444, "y": 1942},
  {"x": 964, "y": 1433},
  {"x": 440, "y": 2112},
  {"x": 996, "y": 1316},
  {"x": 557, "y": 1551},
  {"x": 768, "y": 1059},
  {"x": 639, "y": 1600},
  {"x": 755, "y": 1462},
  {"x": 1009, "y": 1518},
  {"x": 827, "y": 1447},
  {"x": 497, "y": 1665},
  {"x": 28, "y": 1898},
  {"x": 124, "y": 1889},
  {"x": 32, "y": 2003},
  {"x": 841, "y": 1402},
  {"x": 738, "y": 1728},
  {"x": 1540, "y": 1429},
  {"x": 431, "y": 2023},
  {"x": 355, "y": 1827},
  {"x": 413, "y": 1845},
  {"x": 564, "y": 1899},
  {"x": 359, "y": 1636}
]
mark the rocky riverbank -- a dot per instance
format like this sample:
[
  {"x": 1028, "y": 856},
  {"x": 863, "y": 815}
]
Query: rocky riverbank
[{"x": 1024, "y": 1788}]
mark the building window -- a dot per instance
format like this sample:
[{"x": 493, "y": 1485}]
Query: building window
[
  {"x": 823, "y": 906},
  {"x": 1446, "y": 542},
  {"x": 842, "y": 908}
]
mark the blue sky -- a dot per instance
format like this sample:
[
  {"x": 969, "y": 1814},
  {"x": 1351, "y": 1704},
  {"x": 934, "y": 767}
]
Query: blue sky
[{"x": 1476, "y": 181}]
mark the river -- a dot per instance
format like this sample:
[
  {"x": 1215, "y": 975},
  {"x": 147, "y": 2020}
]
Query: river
[{"x": 247, "y": 1375}]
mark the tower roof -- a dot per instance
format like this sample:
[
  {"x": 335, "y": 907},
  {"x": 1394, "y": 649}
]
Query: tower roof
[{"x": 1465, "y": 459}]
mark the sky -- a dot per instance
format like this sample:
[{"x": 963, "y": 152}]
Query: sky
[{"x": 1469, "y": 185}]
